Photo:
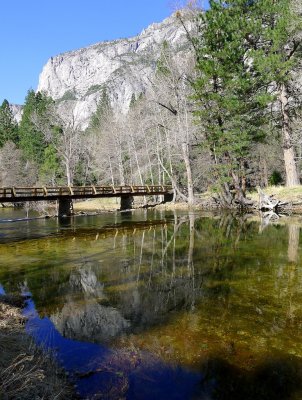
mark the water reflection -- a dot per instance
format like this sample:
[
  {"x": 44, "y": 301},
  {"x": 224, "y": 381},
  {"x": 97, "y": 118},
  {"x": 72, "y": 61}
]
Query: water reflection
[
  {"x": 213, "y": 294},
  {"x": 293, "y": 243},
  {"x": 99, "y": 372},
  {"x": 88, "y": 320}
]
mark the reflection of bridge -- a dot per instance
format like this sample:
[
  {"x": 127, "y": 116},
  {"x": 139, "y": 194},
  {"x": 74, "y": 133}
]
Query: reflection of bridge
[{"x": 65, "y": 194}]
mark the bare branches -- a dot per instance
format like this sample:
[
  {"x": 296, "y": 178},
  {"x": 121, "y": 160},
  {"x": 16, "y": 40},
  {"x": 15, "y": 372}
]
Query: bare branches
[{"x": 169, "y": 108}]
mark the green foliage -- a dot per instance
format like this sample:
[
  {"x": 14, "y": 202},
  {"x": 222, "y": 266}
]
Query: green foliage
[
  {"x": 230, "y": 92},
  {"x": 93, "y": 89},
  {"x": 280, "y": 27},
  {"x": 50, "y": 170},
  {"x": 69, "y": 95},
  {"x": 136, "y": 100},
  {"x": 8, "y": 126},
  {"x": 275, "y": 178},
  {"x": 132, "y": 101},
  {"x": 103, "y": 111},
  {"x": 32, "y": 140},
  {"x": 162, "y": 65}
]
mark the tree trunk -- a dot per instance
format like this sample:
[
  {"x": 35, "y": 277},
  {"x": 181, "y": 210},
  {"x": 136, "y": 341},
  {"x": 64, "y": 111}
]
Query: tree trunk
[
  {"x": 174, "y": 184},
  {"x": 185, "y": 153},
  {"x": 68, "y": 173},
  {"x": 292, "y": 178},
  {"x": 149, "y": 159},
  {"x": 136, "y": 159},
  {"x": 118, "y": 148},
  {"x": 130, "y": 162},
  {"x": 264, "y": 175},
  {"x": 111, "y": 171}
]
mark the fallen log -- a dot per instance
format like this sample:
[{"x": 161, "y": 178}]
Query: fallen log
[{"x": 268, "y": 203}]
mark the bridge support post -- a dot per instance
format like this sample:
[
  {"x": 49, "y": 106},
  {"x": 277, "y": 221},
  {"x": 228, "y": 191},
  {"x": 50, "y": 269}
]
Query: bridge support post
[
  {"x": 126, "y": 202},
  {"x": 65, "y": 207},
  {"x": 168, "y": 197}
]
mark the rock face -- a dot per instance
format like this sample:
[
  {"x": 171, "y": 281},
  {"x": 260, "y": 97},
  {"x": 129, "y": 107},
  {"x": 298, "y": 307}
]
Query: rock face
[
  {"x": 124, "y": 67},
  {"x": 17, "y": 111}
]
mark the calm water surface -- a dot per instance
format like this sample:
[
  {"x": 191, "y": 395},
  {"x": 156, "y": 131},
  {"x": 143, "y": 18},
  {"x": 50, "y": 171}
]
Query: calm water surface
[{"x": 159, "y": 305}]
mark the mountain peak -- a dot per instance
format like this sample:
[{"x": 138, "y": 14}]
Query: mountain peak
[{"x": 124, "y": 67}]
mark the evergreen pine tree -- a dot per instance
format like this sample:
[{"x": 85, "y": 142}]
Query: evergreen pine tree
[
  {"x": 8, "y": 126},
  {"x": 103, "y": 111},
  {"x": 32, "y": 140},
  {"x": 229, "y": 92},
  {"x": 276, "y": 58},
  {"x": 246, "y": 53}
]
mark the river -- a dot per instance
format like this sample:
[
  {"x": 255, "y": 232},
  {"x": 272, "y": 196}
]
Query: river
[{"x": 161, "y": 304}]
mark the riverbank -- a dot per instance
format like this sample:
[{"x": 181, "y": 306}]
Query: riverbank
[
  {"x": 204, "y": 201},
  {"x": 25, "y": 371}
]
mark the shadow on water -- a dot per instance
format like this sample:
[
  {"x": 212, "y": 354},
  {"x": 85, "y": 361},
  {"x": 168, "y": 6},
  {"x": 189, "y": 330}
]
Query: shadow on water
[{"x": 275, "y": 379}]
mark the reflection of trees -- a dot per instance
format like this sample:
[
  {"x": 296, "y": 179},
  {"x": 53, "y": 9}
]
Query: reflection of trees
[
  {"x": 293, "y": 258},
  {"x": 293, "y": 243},
  {"x": 153, "y": 274},
  {"x": 135, "y": 276}
]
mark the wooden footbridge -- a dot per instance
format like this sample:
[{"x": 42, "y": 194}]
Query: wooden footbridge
[{"x": 65, "y": 194}]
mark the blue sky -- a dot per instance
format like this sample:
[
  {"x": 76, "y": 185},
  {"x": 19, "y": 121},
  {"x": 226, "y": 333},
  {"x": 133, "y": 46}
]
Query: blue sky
[{"x": 34, "y": 30}]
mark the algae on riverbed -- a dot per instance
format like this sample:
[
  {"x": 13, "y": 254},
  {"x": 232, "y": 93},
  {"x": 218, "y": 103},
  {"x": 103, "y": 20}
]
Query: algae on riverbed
[{"x": 219, "y": 296}]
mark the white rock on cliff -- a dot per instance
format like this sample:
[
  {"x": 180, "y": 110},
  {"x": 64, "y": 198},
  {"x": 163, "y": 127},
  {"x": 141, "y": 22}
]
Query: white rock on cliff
[{"x": 125, "y": 66}]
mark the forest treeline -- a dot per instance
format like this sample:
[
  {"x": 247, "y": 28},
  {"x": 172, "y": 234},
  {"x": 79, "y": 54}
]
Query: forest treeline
[{"x": 226, "y": 117}]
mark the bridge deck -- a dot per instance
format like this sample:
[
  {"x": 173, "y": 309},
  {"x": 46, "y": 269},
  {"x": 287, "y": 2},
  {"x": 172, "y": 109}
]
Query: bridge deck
[{"x": 22, "y": 194}]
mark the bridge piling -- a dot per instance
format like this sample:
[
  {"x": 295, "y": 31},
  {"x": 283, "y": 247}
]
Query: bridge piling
[
  {"x": 126, "y": 202},
  {"x": 168, "y": 197},
  {"x": 65, "y": 207}
]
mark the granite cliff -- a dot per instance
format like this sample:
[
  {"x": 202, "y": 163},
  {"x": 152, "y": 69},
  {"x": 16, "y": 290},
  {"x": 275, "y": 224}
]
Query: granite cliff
[{"x": 124, "y": 67}]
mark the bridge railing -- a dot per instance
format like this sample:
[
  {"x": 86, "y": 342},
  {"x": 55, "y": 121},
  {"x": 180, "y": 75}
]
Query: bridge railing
[
  {"x": 21, "y": 192},
  {"x": 6, "y": 192},
  {"x": 45, "y": 191}
]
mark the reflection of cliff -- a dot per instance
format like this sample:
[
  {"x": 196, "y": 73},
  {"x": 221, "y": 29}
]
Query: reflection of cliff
[
  {"x": 144, "y": 289},
  {"x": 88, "y": 320},
  {"x": 85, "y": 280},
  {"x": 148, "y": 276},
  {"x": 135, "y": 309},
  {"x": 91, "y": 322}
]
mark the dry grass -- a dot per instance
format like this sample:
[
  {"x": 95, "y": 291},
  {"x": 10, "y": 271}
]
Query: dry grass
[
  {"x": 283, "y": 193},
  {"x": 105, "y": 204},
  {"x": 173, "y": 206},
  {"x": 110, "y": 204},
  {"x": 25, "y": 371},
  {"x": 291, "y": 195}
]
